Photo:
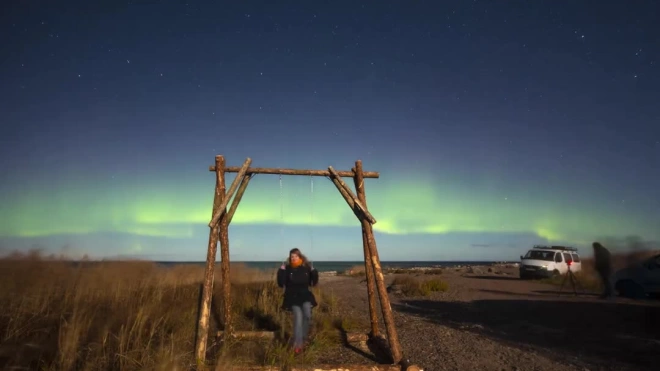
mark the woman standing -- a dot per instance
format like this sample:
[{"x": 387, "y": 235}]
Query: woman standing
[{"x": 296, "y": 278}]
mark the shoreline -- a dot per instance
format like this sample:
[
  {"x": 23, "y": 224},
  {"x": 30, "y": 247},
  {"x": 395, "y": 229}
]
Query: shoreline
[{"x": 425, "y": 269}]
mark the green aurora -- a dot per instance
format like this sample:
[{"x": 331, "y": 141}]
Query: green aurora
[{"x": 401, "y": 207}]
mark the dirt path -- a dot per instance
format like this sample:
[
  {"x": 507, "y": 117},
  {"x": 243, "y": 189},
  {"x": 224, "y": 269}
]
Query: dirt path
[{"x": 494, "y": 321}]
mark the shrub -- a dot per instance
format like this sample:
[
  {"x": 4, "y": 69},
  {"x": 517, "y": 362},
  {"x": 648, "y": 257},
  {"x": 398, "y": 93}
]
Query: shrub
[
  {"x": 411, "y": 286},
  {"x": 433, "y": 271},
  {"x": 354, "y": 271}
]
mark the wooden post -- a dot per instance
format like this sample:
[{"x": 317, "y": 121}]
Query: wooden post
[
  {"x": 232, "y": 189},
  {"x": 207, "y": 291},
  {"x": 386, "y": 308},
  {"x": 223, "y": 224},
  {"x": 368, "y": 266},
  {"x": 239, "y": 196},
  {"x": 348, "y": 191},
  {"x": 362, "y": 213}
]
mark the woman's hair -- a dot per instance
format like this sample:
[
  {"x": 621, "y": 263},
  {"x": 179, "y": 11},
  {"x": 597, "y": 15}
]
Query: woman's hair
[{"x": 300, "y": 254}]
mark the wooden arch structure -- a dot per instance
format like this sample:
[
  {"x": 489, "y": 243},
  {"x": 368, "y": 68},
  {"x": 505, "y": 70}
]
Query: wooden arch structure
[{"x": 219, "y": 231}]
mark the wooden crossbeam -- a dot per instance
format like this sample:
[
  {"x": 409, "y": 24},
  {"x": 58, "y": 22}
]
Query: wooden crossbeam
[
  {"x": 276, "y": 171},
  {"x": 325, "y": 368},
  {"x": 351, "y": 337}
]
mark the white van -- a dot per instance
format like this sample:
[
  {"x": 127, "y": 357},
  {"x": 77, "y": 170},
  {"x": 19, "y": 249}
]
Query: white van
[{"x": 549, "y": 261}]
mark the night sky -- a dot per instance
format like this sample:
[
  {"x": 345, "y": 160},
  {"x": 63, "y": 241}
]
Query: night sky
[{"x": 494, "y": 125}]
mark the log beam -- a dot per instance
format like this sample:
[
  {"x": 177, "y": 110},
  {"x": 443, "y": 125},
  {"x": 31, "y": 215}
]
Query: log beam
[
  {"x": 239, "y": 197},
  {"x": 207, "y": 290},
  {"x": 347, "y": 367},
  {"x": 265, "y": 335},
  {"x": 368, "y": 267},
  {"x": 230, "y": 192},
  {"x": 353, "y": 197},
  {"x": 307, "y": 172}
]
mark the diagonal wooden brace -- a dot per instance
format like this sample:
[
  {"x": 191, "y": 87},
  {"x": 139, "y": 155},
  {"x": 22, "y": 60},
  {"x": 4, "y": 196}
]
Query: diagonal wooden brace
[
  {"x": 352, "y": 200},
  {"x": 230, "y": 192}
]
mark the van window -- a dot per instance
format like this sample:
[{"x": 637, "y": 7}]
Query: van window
[
  {"x": 567, "y": 257},
  {"x": 558, "y": 258},
  {"x": 539, "y": 255},
  {"x": 576, "y": 258}
]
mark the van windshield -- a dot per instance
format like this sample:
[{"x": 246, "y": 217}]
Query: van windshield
[{"x": 540, "y": 255}]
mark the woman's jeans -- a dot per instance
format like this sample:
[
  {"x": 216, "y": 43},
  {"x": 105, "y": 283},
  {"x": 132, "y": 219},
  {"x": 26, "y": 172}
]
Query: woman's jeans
[{"x": 302, "y": 316}]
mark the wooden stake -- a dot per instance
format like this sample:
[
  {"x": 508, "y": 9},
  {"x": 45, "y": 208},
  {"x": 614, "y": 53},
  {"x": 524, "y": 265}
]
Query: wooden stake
[
  {"x": 239, "y": 196},
  {"x": 232, "y": 189},
  {"x": 224, "y": 267},
  {"x": 385, "y": 306},
  {"x": 368, "y": 266},
  {"x": 307, "y": 172},
  {"x": 207, "y": 291},
  {"x": 348, "y": 191}
]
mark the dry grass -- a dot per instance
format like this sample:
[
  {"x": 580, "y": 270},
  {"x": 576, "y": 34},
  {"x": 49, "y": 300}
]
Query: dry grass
[
  {"x": 412, "y": 286},
  {"x": 132, "y": 315}
]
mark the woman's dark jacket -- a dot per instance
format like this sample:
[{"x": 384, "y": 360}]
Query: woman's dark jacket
[{"x": 297, "y": 282}]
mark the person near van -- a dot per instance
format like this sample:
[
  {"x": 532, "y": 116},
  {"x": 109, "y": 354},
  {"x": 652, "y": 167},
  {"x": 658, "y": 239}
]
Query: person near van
[
  {"x": 603, "y": 265},
  {"x": 296, "y": 277}
]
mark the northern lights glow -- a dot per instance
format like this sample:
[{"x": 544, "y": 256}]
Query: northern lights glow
[{"x": 401, "y": 208}]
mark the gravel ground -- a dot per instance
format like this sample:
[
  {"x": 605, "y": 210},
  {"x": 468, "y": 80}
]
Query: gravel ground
[{"x": 494, "y": 321}]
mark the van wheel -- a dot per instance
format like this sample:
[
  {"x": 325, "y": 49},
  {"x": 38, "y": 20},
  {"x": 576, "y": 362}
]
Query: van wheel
[
  {"x": 630, "y": 289},
  {"x": 555, "y": 274}
]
